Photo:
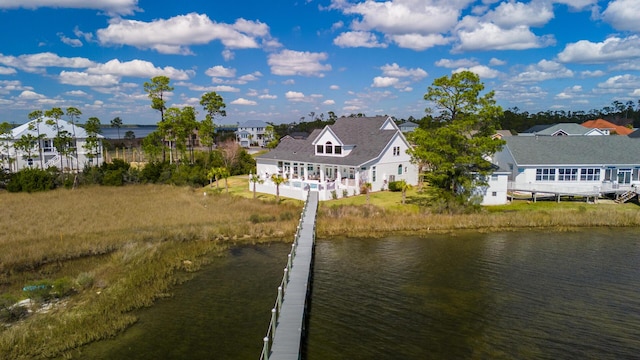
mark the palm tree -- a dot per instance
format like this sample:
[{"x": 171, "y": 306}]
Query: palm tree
[
  {"x": 404, "y": 186},
  {"x": 38, "y": 116},
  {"x": 255, "y": 179},
  {"x": 278, "y": 179}
]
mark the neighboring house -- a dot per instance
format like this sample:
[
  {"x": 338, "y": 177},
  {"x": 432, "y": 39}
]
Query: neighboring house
[
  {"x": 562, "y": 129},
  {"x": 408, "y": 126},
  {"x": 252, "y": 133},
  {"x": 338, "y": 159},
  {"x": 571, "y": 165},
  {"x": 77, "y": 158},
  {"x": 607, "y": 127}
]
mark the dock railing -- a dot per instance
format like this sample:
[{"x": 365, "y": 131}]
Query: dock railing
[{"x": 282, "y": 287}]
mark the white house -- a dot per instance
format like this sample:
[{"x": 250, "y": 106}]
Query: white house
[
  {"x": 571, "y": 165},
  {"x": 78, "y": 156},
  {"x": 252, "y": 133},
  {"x": 338, "y": 159}
]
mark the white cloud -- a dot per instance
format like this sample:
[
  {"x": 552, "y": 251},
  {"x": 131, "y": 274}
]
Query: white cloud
[
  {"x": 384, "y": 81},
  {"x": 334, "y": 87},
  {"x": 139, "y": 68},
  {"x": 121, "y": 7},
  {"x": 513, "y": 14},
  {"x": 30, "y": 95},
  {"x": 85, "y": 79},
  {"x": 69, "y": 41},
  {"x": 577, "y": 4},
  {"x": 396, "y": 71},
  {"x": 35, "y": 62},
  {"x": 220, "y": 71},
  {"x": 289, "y": 62},
  {"x": 7, "y": 70},
  {"x": 619, "y": 83},
  {"x": 405, "y": 16},
  {"x": 353, "y": 39},
  {"x": 612, "y": 49},
  {"x": 451, "y": 64},
  {"x": 543, "y": 70},
  {"x": 76, "y": 93},
  {"x": 484, "y": 72},
  {"x": 418, "y": 41},
  {"x": 242, "y": 101},
  {"x": 487, "y": 36},
  {"x": 294, "y": 96},
  {"x": 329, "y": 102},
  {"x": 623, "y": 15},
  {"x": 174, "y": 35}
]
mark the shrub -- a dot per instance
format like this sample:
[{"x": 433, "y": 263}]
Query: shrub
[
  {"x": 395, "y": 186},
  {"x": 32, "y": 180},
  {"x": 113, "y": 177}
]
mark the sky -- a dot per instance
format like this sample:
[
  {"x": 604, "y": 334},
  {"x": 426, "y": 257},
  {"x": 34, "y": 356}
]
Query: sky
[{"x": 290, "y": 61}]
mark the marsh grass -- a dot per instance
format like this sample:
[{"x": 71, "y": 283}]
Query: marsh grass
[{"x": 120, "y": 248}]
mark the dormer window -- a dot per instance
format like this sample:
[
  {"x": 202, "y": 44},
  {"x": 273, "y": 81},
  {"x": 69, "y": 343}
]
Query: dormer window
[{"x": 329, "y": 148}]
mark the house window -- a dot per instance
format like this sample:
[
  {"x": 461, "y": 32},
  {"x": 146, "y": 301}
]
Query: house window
[
  {"x": 494, "y": 177},
  {"x": 319, "y": 149},
  {"x": 494, "y": 193},
  {"x": 399, "y": 169},
  {"x": 396, "y": 151},
  {"x": 589, "y": 174},
  {"x": 545, "y": 174},
  {"x": 47, "y": 145},
  {"x": 337, "y": 149},
  {"x": 373, "y": 174},
  {"x": 30, "y": 161},
  {"x": 567, "y": 174},
  {"x": 328, "y": 148}
]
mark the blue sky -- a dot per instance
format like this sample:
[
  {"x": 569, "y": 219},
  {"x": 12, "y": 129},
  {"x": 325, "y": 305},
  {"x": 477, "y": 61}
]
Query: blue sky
[{"x": 279, "y": 61}]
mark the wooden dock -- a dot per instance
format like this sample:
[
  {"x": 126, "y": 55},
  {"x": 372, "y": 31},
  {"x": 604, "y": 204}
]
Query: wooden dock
[{"x": 286, "y": 332}]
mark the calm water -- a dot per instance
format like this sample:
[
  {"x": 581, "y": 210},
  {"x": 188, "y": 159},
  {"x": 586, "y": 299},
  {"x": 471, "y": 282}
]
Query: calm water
[{"x": 525, "y": 295}]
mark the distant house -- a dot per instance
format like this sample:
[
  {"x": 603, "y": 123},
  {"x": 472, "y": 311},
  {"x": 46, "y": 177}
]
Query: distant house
[
  {"x": 76, "y": 158},
  {"x": 336, "y": 160},
  {"x": 500, "y": 134},
  {"x": 252, "y": 133},
  {"x": 562, "y": 129},
  {"x": 408, "y": 126},
  {"x": 635, "y": 134},
  {"x": 571, "y": 165},
  {"x": 607, "y": 127}
]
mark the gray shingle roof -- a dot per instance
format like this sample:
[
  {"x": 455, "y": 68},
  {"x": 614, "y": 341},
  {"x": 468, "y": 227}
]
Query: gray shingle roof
[
  {"x": 253, "y": 124},
  {"x": 568, "y": 128},
  {"x": 574, "y": 150},
  {"x": 362, "y": 132}
]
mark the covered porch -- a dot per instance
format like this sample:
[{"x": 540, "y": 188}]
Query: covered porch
[{"x": 330, "y": 181}]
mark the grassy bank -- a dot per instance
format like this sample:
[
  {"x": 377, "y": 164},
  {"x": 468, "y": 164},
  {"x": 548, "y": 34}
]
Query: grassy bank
[
  {"x": 116, "y": 249},
  {"x": 119, "y": 249}
]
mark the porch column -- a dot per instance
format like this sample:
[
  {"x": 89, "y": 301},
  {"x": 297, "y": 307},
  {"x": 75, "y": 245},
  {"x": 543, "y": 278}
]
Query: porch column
[
  {"x": 305, "y": 171},
  {"x": 322, "y": 173}
]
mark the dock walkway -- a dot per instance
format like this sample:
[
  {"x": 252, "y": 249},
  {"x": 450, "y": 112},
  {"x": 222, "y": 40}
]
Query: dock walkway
[{"x": 286, "y": 331}]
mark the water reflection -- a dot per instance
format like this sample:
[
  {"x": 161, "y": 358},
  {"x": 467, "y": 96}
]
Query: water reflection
[{"x": 509, "y": 295}]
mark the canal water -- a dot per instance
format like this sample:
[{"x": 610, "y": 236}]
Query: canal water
[{"x": 513, "y": 295}]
